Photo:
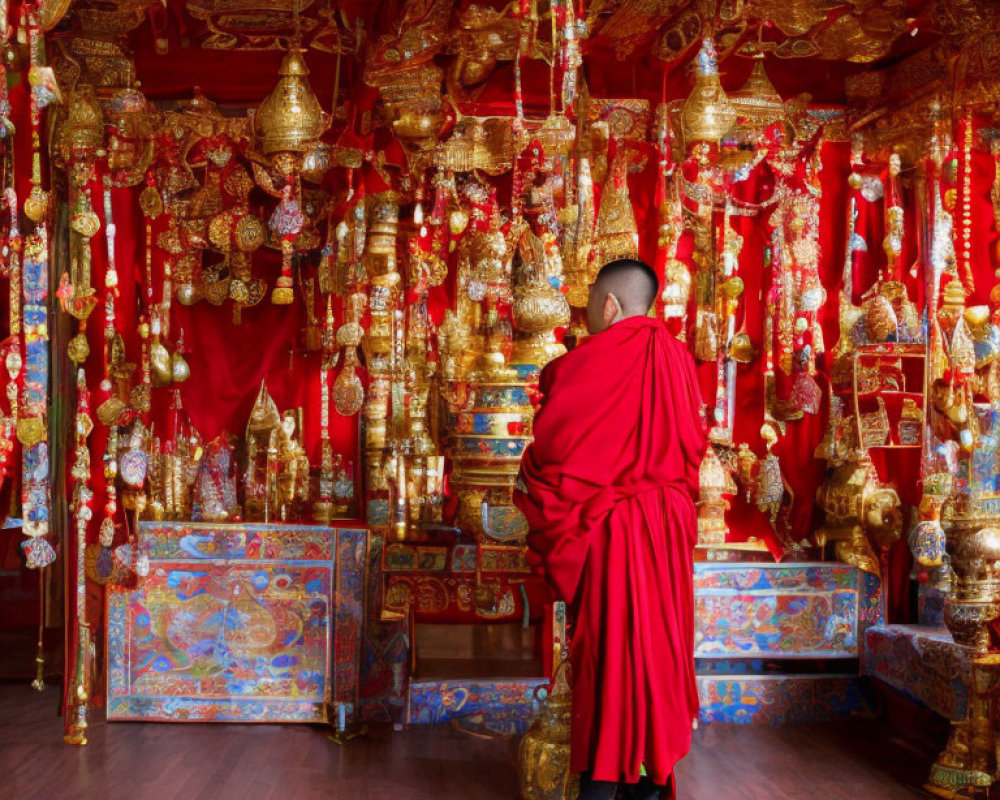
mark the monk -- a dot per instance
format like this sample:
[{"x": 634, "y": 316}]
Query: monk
[{"x": 607, "y": 487}]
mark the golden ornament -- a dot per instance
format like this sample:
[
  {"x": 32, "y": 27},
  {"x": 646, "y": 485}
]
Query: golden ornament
[
  {"x": 86, "y": 223},
  {"x": 180, "y": 371},
  {"x": 37, "y": 204},
  {"x": 707, "y": 114},
  {"x": 290, "y": 119},
  {"x": 159, "y": 363},
  {"x": 151, "y": 202},
  {"x": 250, "y": 233},
  {"x": 282, "y": 294},
  {"x": 78, "y": 349},
  {"x": 30, "y": 431},
  {"x": 348, "y": 392}
]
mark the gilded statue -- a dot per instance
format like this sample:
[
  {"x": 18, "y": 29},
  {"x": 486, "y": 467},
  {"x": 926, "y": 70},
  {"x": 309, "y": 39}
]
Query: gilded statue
[
  {"x": 291, "y": 465},
  {"x": 859, "y": 510}
]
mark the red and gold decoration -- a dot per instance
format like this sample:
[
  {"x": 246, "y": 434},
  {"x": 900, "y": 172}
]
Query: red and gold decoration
[{"x": 311, "y": 261}]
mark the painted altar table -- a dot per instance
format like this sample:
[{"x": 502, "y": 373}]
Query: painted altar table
[
  {"x": 779, "y": 643},
  {"x": 240, "y": 623}
]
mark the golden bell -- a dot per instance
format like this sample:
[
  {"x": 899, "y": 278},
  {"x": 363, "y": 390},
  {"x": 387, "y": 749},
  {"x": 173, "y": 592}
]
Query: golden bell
[{"x": 290, "y": 119}]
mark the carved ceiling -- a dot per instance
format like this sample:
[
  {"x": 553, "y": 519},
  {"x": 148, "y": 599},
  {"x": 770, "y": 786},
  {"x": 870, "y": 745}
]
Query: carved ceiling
[{"x": 180, "y": 43}]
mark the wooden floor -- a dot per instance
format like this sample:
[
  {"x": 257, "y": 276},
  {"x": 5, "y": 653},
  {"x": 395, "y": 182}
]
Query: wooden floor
[{"x": 851, "y": 760}]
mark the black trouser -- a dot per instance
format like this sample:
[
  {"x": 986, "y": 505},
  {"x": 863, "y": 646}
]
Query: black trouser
[{"x": 645, "y": 789}]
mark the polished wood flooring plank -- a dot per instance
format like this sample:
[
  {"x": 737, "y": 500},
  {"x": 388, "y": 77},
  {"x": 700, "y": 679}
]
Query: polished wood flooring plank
[{"x": 854, "y": 759}]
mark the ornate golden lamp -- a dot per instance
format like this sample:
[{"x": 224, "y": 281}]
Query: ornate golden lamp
[{"x": 707, "y": 113}]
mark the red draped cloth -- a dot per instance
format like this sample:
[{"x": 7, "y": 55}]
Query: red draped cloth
[{"x": 607, "y": 487}]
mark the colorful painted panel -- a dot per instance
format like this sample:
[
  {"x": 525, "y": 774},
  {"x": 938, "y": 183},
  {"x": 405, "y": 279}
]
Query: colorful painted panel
[
  {"x": 776, "y": 611},
  {"x": 778, "y": 700},
  {"x": 921, "y": 662},
  {"x": 489, "y": 447},
  {"x": 457, "y": 558},
  {"x": 348, "y": 624},
  {"x": 384, "y": 653},
  {"x": 233, "y": 623},
  {"x": 504, "y": 706}
]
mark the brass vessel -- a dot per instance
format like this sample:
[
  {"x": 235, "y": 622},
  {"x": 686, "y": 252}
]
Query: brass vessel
[
  {"x": 543, "y": 756},
  {"x": 973, "y": 544}
]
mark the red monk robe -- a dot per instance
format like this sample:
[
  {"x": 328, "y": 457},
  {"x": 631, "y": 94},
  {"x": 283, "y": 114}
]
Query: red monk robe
[{"x": 607, "y": 487}]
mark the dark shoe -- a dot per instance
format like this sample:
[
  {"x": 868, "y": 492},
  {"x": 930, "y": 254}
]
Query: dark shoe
[
  {"x": 596, "y": 790},
  {"x": 645, "y": 789}
]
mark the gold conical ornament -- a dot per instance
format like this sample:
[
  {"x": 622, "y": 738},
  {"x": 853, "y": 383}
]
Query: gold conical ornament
[
  {"x": 290, "y": 119},
  {"x": 707, "y": 114},
  {"x": 615, "y": 234},
  {"x": 264, "y": 416},
  {"x": 757, "y": 103}
]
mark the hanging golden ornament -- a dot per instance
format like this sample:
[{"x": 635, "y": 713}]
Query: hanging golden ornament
[
  {"x": 290, "y": 119},
  {"x": 250, "y": 233},
  {"x": 151, "y": 202},
  {"x": 78, "y": 348},
  {"x": 757, "y": 103},
  {"x": 37, "y": 204},
  {"x": 707, "y": 114},
  {"x": 348, "y": 391},
  {"x": 179, "y": 369},
  {"x": 81, "y": 133}
]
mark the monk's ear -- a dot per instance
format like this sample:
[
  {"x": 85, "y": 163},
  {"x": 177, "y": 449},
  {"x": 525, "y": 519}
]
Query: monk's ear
[{"x": 612, "y": 309}]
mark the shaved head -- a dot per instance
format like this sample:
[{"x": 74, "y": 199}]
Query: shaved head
[{"x": 624, "y": 288}]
